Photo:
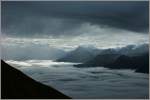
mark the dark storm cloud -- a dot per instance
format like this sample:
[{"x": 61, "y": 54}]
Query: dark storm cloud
[{"x": 57, "y": 18}]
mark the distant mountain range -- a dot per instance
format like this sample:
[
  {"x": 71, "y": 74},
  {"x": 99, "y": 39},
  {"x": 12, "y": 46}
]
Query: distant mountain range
[
  {"x": 83, "y": 54},
  {"x": 134, "y": 50},
  {"x": 80, "y": 55},
  {"x": 129, "y": 57},
  {"x": 129, "y": 50},
  {"x": 115, "y": 61}
]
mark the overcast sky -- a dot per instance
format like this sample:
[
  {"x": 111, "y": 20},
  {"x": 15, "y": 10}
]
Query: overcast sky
[
  {"x": 70, "y": 24},
  {"x": 63, "y": 18}
]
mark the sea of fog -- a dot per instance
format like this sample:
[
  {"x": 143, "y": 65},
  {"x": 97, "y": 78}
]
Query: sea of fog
[{"x": 94, "y": 82}]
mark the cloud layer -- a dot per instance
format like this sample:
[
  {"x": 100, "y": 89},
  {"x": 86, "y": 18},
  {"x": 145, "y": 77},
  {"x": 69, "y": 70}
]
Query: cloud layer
[
  {"x": 63, "y": 18},
  {"x": 53, "y": 47}
]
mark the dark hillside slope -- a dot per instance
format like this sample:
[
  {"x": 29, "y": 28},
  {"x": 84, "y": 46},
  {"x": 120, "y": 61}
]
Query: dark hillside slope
[
  {"x": 16, "y": 85},
  {"x": 140, "y": 63},
  {"x": 115, "y": 61},
  {"x": 100, "y": 60}
]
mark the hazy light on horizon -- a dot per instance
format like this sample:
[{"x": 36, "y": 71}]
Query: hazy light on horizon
[{"x": 100, "y": 37}]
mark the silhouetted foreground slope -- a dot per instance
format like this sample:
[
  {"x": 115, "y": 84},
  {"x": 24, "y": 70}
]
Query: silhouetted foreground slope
[{"x": 16, "y": 85}]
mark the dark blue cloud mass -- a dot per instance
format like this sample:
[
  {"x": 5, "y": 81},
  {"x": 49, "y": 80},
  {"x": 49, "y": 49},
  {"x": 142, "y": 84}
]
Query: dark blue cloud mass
[{"x": 28, "y": 18}]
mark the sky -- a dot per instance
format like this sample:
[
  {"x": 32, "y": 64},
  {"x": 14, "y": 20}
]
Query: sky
[{"x": 66, "y": 25}]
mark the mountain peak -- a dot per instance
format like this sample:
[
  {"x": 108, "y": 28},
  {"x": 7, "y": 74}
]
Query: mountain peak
[{"x": 80, "y": 54}]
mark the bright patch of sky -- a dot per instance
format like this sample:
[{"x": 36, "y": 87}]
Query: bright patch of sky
[{"x": 92, "y": 35}]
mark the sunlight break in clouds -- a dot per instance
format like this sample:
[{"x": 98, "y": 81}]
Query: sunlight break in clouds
[
  {"x": 100, "y": 37},
  {"x": 57, "y": 47}
]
